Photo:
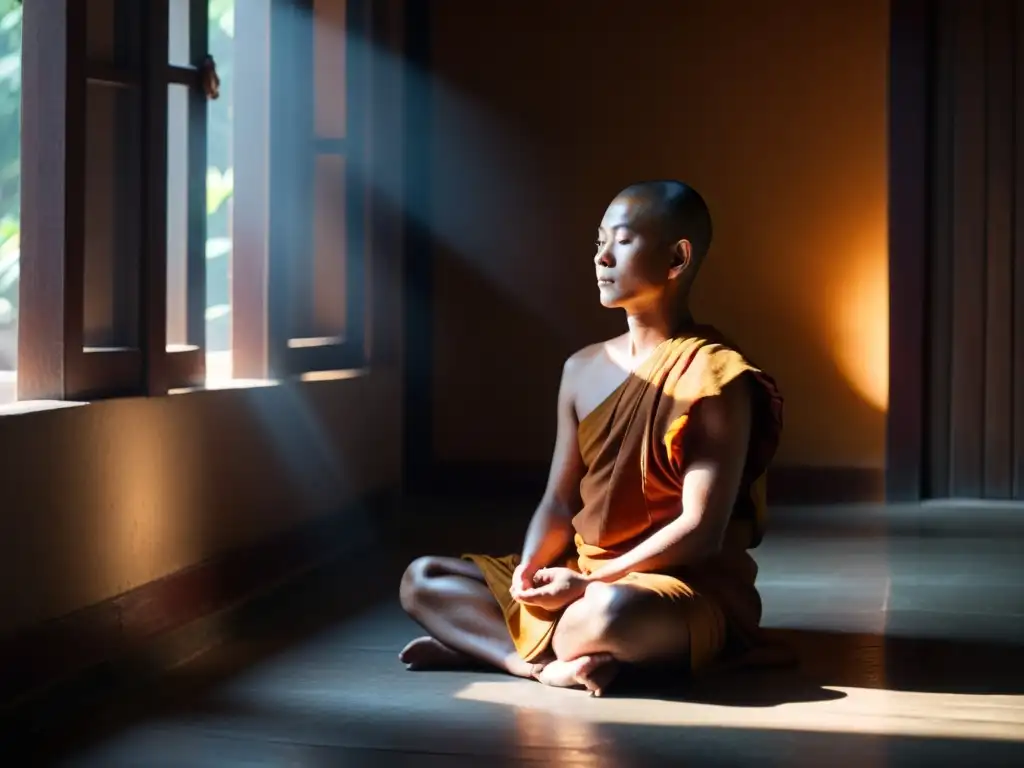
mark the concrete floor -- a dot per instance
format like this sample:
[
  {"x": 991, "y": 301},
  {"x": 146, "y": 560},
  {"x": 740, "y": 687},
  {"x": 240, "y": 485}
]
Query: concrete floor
[{"x": 909, "y": 624}]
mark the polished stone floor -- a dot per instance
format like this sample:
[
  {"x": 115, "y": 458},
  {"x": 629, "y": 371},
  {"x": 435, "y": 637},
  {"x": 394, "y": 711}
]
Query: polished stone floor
[{"x": 908, "y": 622}]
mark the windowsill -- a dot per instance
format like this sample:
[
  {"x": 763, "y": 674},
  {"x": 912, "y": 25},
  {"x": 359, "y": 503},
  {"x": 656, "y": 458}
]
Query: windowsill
[
  {"x": 217, "y": 385},
  {"x": 350, "y": 373},
  {"x": 11, "y": 407},
  {"x": 35, "y": 406}
]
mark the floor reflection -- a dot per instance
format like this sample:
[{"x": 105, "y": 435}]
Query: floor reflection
[{"x": 908, "y": 639}]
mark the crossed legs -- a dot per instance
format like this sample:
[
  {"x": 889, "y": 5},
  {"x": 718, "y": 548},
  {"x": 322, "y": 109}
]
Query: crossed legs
[
  {"x": 611, "y": 623},
  {"x": 449, "y": 598}
]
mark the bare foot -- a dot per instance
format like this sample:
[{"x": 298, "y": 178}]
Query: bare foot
[
  {"x": 594, "y": 673},
  {"x": 428, "y": 653}
]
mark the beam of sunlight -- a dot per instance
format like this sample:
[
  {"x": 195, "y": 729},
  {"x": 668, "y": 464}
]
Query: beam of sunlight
[
  {"x": 317, "y": 470},
  {"x": 303, "y": 445},
  {"x": 860, "y": 711},
  {"x": 474, "y": 147}
]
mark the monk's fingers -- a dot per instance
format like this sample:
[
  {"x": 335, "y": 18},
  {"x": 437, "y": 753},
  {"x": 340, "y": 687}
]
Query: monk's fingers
[
  {"x": 538, "y": 601},
  {"x": 554, "y": 572},
  {"x": 518, "y": 587},
  {"x": 543, "y": 591},
  {"x": 522, "y": 577}
]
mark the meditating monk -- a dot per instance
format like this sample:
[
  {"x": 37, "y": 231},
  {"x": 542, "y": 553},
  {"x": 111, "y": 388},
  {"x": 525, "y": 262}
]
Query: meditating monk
[{"x": 638, "y": 551}]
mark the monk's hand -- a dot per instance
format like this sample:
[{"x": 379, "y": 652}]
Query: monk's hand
[
  {"x": 553, "y": 589},
  {"x": 522, "y": 578}
]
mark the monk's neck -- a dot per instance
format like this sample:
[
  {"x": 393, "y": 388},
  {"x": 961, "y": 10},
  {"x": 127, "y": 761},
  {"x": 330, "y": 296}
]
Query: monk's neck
[{"x": 648, "y": 330}]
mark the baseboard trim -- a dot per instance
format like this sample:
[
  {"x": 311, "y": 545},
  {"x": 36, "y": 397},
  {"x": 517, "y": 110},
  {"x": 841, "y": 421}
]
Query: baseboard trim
[
  {"x": 787, "y": 485},
  {"x": 803, "y": 485},
  {"x": 54, "y": 669}
]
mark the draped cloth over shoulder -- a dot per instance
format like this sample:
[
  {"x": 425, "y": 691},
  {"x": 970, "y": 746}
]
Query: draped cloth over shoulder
[{"x": 635, "y": 447}]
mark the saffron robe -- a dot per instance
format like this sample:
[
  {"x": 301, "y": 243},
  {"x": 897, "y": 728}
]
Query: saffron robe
[{"x": 634, "y": 446}]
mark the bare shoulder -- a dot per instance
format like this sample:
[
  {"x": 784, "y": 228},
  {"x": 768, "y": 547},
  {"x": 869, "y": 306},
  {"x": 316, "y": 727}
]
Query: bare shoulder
[
  {"x": 581, "y": 358},
  {"x": 591, "y": 363},
  {"x": 591, "y": 373},
  {"x": 597, "y": 353}
]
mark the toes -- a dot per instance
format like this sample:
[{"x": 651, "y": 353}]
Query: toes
[
  {"x": 596, "y": 672},
  {"x": 558, "y": 674},
  {"x": 409, "y": 651},
  {"x": 596, "y": 660},
  {"x": 593, "y": 673},
  {"x": 426, "y": 653},
  {"x": 585, "y": 665}
]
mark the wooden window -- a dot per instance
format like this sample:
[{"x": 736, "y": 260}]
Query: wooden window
[
  {"x": 317, "y": 204},
  {"x": 296, "y": 240},
  {"x": 79, "y": 315},
  {"x": 179, "y": 102},
  {"x": 250, "y": 203},
  {"x": 93, "y": 303},
  {"x": 145, "y": 235}
]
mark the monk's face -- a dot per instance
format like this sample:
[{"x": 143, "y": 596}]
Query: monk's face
[{"x": 635, "y": 265}]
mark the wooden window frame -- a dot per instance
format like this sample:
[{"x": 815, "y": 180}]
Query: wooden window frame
[
  {"x": 250, "y": 246},
  {"x": 184, "y": 366},
  {"x": 292, "y": 156},
  {"x": 53, "y": 363},
  {"x": 272, "y": 220}
]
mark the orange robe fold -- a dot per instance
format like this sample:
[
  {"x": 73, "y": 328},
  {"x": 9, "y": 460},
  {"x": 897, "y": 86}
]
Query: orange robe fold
[{"x": 634, "y": 446}]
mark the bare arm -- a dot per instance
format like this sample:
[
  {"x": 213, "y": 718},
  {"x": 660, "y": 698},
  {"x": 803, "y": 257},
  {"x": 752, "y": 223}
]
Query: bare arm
[
  {"x": 550, "y": 530},
  {"x": 717, "y": 441}
]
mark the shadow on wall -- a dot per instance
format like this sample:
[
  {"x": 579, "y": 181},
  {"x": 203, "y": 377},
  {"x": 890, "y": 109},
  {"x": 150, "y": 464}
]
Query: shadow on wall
[
  {"x": 514, "y": 359},
  {"x": 779, "y": 120}
]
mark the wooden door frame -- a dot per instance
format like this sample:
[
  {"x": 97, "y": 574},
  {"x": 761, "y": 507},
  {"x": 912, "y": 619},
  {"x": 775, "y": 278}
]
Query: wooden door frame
[{"x": 909, "y": 141}]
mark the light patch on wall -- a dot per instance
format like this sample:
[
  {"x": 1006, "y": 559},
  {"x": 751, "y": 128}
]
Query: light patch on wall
[
  {"x": 859, "y": 318},
  {"x": 145, "y": 528}
]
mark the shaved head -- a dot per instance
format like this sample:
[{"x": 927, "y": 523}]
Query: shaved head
[
  {"x": 651, "y": 244},
  {"x": 674, "y": 209}
]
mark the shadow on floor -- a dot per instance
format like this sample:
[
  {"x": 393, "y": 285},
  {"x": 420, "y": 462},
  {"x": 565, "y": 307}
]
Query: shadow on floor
[
  {"x": 924, "y": 665},
  {"x": 360, "y": 701},
  {"x": 506, "y": 735},
  {"x": 363, "y": 710},
  {"x": 345, "y": 697},
  {"x": 829, "y": 660}
]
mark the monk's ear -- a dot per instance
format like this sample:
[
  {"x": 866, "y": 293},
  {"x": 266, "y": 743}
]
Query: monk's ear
[{"x": 682, "y": 257}]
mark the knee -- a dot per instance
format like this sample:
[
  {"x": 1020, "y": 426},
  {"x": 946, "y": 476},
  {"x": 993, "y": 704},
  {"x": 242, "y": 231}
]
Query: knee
[
  {"x": 415, "y": 586},
  {"x": 610, "y": 611}
]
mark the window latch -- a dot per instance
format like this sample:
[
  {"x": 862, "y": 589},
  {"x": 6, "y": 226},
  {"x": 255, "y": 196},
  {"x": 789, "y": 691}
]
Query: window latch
[{"x": 209, "y": 78}]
